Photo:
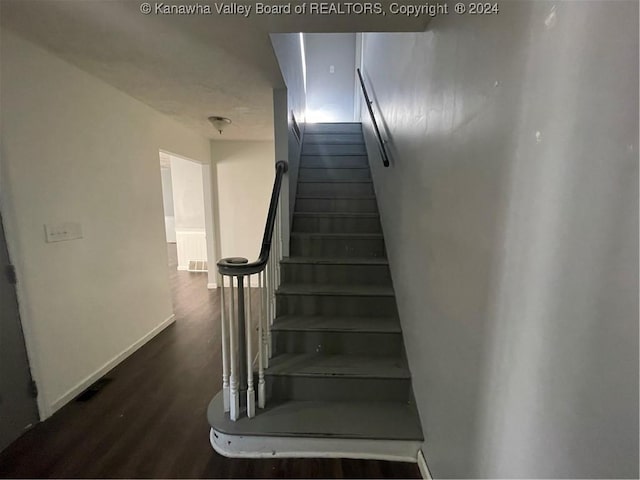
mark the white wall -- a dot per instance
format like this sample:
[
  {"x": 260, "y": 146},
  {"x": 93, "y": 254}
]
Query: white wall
[
  {"x": 514, "y": 142},
  {"x": 188, "y": 199},
  {"x": 330, "y": 94},
  {"x": 188, "y": 195},
  {"x": 244, "y": 172},
  {"x": 76, "y": 149},
  {"x": 167, "y": 204}
]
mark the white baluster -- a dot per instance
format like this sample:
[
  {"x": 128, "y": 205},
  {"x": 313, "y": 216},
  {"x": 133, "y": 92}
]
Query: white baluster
[
  {"x": 274, "y": 250},
  {"x": 280, "y": 251},
  {"x": 274, "y": 287},
  {"x": 270, "y": 294},
  {"x": 251, "y": 395},
  {"x": 265, "y": 314},
  {"x": 278, "y": 246},
  {"x": 261, "y": 384},
  {"x": 234, "y": 404},
  {"x": 225, "y": 348}
]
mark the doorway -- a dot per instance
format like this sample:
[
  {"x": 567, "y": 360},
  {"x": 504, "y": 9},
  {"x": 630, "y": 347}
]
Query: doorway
[{"x": 188, "y": 218}]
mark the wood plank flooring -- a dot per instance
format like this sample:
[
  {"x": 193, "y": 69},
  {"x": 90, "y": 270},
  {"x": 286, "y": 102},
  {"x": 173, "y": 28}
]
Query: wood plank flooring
[{"x": 150, "y": 420}]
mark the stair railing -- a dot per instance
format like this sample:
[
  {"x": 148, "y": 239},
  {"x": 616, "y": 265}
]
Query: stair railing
[
  {"x": 381, "y": 142},
  {"x": 237, "y": 327}
]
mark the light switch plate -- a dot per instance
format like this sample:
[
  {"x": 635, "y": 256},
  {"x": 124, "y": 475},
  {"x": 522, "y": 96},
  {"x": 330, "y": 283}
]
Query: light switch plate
[{"x": 61, "y": 232}]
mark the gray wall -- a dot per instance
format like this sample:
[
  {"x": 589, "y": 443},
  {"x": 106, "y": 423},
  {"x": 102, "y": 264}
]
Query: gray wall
[
  {"x": 288, "y": 102},
  {"x": 330, "y": 95},
  {"x": 510, "y": 213}
]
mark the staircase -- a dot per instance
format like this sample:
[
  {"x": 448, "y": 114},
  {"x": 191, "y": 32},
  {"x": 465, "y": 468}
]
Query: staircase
[{"x": 337, "y": 383}]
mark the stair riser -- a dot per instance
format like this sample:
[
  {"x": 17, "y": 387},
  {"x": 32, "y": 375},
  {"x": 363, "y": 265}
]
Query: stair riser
[
  {"x": 344, "y": 205},
  {"x": 335, "y": 305},
  {"x": 344, "y": 128},
  {"x": 349, "y": 161},
  {"x": 336, "y": 247},
  {"x": 347, "y": 343},
  {"x": 280, "y": 387},
  {"x": 333, "y": 174},
  {"x": 333, "y": 138},
  {"x": 325, "y": 149},
  {"x": 335, "y": 189},
  {"x": 311, "y": 224},
  {"x": 336, "y": 274}
]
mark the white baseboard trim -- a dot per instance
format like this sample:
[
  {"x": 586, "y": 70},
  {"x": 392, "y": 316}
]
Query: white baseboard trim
[
  {"x": 212, "y": 286},
  {"x": 182, "y": 268},
  {"x": 87, "y": 381},
  {"x": 422, "y": 465},
  {"x": 239, "y": 446}
]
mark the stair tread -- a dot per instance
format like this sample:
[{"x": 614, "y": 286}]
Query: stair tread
[
  {"x": 336, "y": 260},
  {"x": 337, "y": 180},
  {"x": 335, "y": 289},
  {"x": 337, "y": 235},
  {"x": 338, "y": 197},
  {"x": 345, "y": 366},
  {"x": 337, "y": 214},
  {"x": 361, "y": 420},
  {"x": 348, "y": 167},
  {"x": 336, "y": 324},
  {"x": 337, "y": 141}
]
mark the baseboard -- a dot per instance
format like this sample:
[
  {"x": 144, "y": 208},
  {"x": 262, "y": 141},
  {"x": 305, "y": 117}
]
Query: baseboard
[
  {"x": 212, "y": 286},
  {"x": 182, "y": 268},
  {"x": 422, "y": 465},
  {"x": 87, "y": 381}
]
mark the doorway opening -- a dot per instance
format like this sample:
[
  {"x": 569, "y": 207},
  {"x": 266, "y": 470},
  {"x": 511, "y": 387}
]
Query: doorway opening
[{"x": 188, "y": 222}]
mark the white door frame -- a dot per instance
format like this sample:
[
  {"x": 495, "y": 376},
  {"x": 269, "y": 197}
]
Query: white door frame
[{"x": 211, "y": 232}]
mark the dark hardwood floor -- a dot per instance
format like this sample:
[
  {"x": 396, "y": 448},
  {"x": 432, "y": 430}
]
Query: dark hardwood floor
[{"x": 149, "y": 420}]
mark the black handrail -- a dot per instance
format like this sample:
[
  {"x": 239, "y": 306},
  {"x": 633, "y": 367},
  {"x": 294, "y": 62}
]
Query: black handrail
[
  {"x": 383, "y": 150},
  {"x": 237, "y": 266}
]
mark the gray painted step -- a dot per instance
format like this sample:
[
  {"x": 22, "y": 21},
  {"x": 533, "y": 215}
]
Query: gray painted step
[
  {"x": 334, "y": 343},
  {"x": 351, "y": 366},
  {"x": 336, "y": 273},
  {"x": 337, "y": 389},
  {"x": 328, "y": 149},
  {"x": 335, "y": 189},
  {"x": 335, "y": 290},
  {"x": 345, "y": 127},
  {"x": 336, "y": 324},
  {"x": 337, "y": 260},
  {"x": 334, "y": 138},
  {"x": 371, "y": 420},
  {"x": 337, "y": 245},
  {"x": 345, "y": 204},
  {"x": 336, "y": 222},
  {"x": 335, "y": 305},
  {"x": 334, "y": 161},
  {"x": 334, "y": 174}
]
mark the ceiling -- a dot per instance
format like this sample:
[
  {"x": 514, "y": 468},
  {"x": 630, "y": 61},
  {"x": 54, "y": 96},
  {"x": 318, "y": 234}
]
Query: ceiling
[{"x": 188, "y": 67}]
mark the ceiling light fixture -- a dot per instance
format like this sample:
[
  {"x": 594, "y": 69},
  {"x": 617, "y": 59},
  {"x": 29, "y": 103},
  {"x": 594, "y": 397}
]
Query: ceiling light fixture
[{"x": 219, "y": 123}]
